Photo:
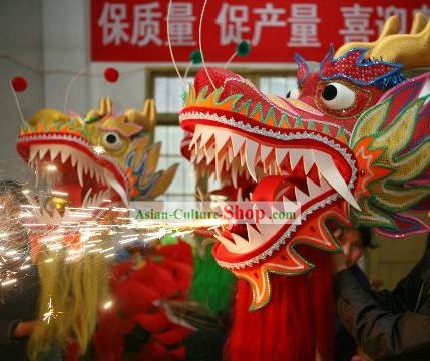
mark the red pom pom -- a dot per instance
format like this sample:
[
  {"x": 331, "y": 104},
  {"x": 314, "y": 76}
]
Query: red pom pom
[
  {"x": 19, "y": 84},
  {"x": 111, "y": 75}
]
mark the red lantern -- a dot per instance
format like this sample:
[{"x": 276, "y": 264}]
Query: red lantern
[
  {"x": 19, "y": 84},
  {"x": 111, "y": 75}
]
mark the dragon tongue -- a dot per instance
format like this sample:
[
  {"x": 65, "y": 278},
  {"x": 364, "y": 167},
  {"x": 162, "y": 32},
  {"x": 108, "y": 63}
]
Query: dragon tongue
[{"x": 267, "y": 188}]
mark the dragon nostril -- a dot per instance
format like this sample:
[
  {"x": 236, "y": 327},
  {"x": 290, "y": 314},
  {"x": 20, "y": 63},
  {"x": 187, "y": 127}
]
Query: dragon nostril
[{"x": 329, "y": 92}]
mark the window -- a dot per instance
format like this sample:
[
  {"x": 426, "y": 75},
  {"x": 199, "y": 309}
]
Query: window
[
  {"x": 183, "y": 184},
  {"x": 167, "y": 89},
  {"x": 278, "y": 85}
]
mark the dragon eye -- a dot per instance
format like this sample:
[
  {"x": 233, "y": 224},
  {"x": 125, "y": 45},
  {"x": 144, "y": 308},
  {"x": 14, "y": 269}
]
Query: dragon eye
[
  {"x": 293, "y": 94},
  {"x": 338, "y": 96},
  {"x": 112, "y": 140}
]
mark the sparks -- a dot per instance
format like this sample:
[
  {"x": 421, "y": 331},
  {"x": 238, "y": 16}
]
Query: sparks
[
  {"x": 58, "y": 193},
  {"x": 108, "y": 305},
  {"x": 51, "y": 168},
  {"x": 9, "y": 282},
  {"x": 48, "y": 315},
  {"x": 98, "y": 149}
]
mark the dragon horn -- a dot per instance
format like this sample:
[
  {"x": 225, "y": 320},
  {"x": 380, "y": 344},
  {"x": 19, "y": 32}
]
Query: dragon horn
[
  {"x": 329, "y": 56},
  {"x": 146, "y": 117},
  {"x": 302, "y": 68},
  {"x": 105, "y": 107},
  {"x": 419, "y": 23},
  {"x": 410, "y": 50},
  {"x": 391, "y": 26}
]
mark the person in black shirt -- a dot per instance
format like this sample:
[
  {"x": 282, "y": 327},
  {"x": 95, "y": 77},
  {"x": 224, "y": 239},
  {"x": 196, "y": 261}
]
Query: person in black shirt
[
  {"x": 388, "y": 325},
  {"x": 353, "y": 241},
  {"x": 18, "y": 301}
]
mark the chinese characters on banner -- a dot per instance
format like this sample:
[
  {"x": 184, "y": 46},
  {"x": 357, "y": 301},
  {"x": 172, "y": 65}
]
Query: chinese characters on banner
[{"x": 135, "y": 30}]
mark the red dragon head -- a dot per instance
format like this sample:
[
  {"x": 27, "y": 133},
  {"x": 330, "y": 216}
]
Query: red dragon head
[{"x": 351, "y": 149}]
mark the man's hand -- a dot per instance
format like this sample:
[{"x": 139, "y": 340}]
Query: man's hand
[{"x": 24, "y": 329}]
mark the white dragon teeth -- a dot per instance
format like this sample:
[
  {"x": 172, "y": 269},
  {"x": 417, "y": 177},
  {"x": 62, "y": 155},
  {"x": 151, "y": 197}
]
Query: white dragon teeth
[
  {"x": 218, "y": 231},
  {"x": 255, "y": 238},
  {"x": 286, "y": 201},
  {"x": 259, "y": 236},
  {"x": 113, "y": 183},
  {"x": 226, "y": 242},
  {"x": 237, "y": 143},
  {"x": 295, "y": 158},
  {"x": 259, "y": 232},
  {"x": 268, "y": 230},
  {"x": 280, "y": 154},
  {"x": 33, "y": 153},
  {"x": 221, "y": 138},
  {"x": 200, "y": 155},
  {"x": 65, "y": 154},
  {"x": 42, "y": 152},
  {"x": 265, "y": 151},
  {"x": 54, "y": 150},
  {"x": 92, "y": 170},
  {"x": 210, "y": 154},
  {"x": 300, "y": 196},
  {"x": 242, "y": 244},
  {"x": 308, "y": 159},
  {"x": 230, "y": 154},
  {"x": 80, "y": 173},
  {"x": 234, "y": 173},
  {"x": 74, "y": 158},
  {"x": 330, "y": 172},
  {"x": 205, "y": 136},
  {"x": 219, "y": 164},
  {"x": 86, "y": 198},
  {"x": 85, "y": 167},
  {"x": 243, "y": 156},
  {"x": 251, "y": 152},
  {"x": 196, "y": 136},
  {"x": 314, "y": 190},
  {"x": 95, "y": 199},
  {"x": 101, "y": 177}
]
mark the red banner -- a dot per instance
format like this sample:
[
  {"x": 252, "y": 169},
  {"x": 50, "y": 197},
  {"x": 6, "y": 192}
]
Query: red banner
[{"x": 135, "y": 30}]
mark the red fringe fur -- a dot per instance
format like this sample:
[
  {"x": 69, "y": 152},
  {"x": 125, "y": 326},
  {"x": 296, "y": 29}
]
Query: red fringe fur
[{"x": 296, "y": 325}]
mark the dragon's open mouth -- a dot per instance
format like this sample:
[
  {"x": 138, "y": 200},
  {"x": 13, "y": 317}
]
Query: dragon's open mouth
[
  {"x": 261, "y": 161},
  {"x": 72, "y": 169}
]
